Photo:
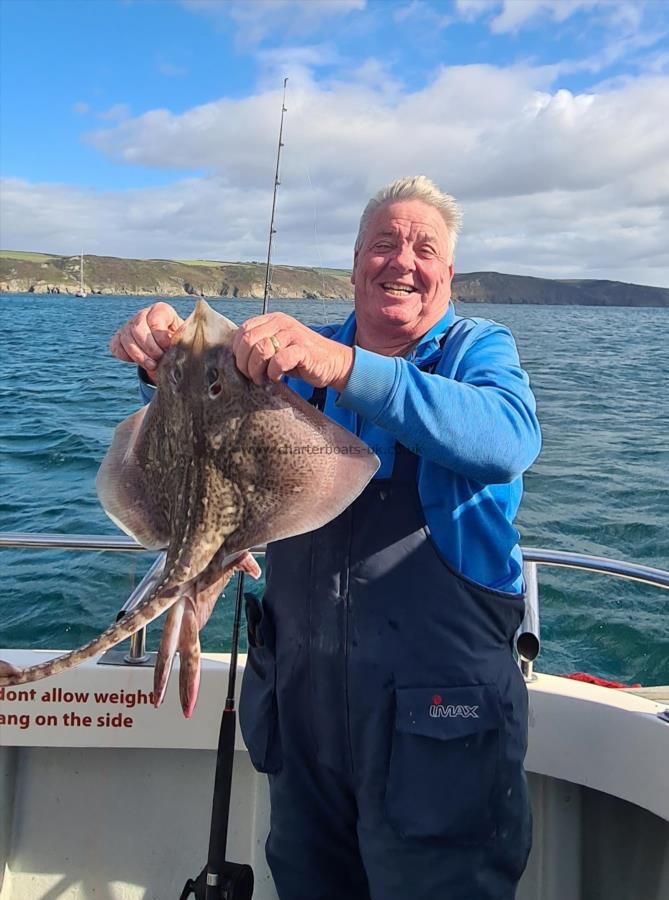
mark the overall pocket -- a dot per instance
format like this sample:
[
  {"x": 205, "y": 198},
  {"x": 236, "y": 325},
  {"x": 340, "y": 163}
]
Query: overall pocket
[
  {"x": 444, "y": 762},
  {"x": 258, "y": 715}
]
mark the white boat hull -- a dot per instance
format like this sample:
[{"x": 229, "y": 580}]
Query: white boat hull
[{"x": 121, "y": 811}]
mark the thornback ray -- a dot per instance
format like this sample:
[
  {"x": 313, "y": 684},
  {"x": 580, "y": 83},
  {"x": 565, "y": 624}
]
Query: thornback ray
[{"x": 212, "y": 466}]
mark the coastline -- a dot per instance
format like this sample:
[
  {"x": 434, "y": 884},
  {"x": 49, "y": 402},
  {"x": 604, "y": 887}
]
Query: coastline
[{"x": 45, "y": 274}]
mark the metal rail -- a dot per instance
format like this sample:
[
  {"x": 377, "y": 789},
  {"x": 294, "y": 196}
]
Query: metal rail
[
  {"x": 528, "y": 642},
  {"x": 567, "y": 560},
  {"x": 528, "y": 636},
  {"x": 37, "y": 541},
  {"x": 559, "y": 558}
]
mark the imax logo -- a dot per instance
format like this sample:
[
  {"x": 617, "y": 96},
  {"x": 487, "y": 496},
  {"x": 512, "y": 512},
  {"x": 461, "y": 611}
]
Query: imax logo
[{"x": 437, "y": 711}]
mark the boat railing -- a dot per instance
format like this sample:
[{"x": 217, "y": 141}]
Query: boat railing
[{"x": 528, "y": 636}]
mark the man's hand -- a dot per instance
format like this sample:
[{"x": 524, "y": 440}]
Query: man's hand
[
  {"x": 276, "y": 344},
  {"x": 144, "y": 338}
]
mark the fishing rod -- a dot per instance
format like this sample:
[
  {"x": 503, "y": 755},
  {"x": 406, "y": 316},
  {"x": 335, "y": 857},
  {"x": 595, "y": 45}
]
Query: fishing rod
[
  {"x": 272, "y": 229},
  {"x": 221, "y": 879}
]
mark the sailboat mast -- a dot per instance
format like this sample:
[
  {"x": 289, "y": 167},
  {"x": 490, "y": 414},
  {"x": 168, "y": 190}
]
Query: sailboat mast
[
  {"x": 81, "y": 271},
  {"x": 272, "y": 230}
]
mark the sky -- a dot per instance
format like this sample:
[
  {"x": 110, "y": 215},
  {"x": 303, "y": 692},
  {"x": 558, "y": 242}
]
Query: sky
[{"x": 148, "y": 128}]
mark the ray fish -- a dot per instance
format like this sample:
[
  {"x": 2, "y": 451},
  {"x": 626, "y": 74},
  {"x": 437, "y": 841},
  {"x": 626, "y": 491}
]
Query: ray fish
[{"x": 212, "y": 466}]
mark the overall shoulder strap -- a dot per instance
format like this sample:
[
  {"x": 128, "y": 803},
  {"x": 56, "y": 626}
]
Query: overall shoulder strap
[
  {"x": 317, "y": 399},
  {"x": 430, "y": 364}
]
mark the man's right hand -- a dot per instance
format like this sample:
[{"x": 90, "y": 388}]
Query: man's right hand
[{"x": 144, "y": 338}]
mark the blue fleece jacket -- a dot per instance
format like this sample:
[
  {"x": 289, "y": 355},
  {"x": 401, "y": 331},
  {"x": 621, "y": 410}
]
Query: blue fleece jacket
[{"x": 472, "y": 423}]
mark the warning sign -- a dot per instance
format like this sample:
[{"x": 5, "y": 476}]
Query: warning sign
[
  {"x": 61, "y": 700},
  {"x": 98, "y": 706}
]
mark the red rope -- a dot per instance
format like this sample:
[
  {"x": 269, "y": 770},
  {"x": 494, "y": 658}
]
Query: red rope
[{"x": 602, "y": 682}]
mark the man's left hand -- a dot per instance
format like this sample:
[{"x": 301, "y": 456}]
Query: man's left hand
[{"x": 267, "y": 347}]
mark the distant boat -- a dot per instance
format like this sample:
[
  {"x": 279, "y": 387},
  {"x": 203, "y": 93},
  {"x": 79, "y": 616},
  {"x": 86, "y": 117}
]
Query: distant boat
[{"x": 81, "y": 292}]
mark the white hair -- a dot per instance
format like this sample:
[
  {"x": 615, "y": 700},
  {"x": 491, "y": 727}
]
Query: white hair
[{"x": 416, "y": 187}]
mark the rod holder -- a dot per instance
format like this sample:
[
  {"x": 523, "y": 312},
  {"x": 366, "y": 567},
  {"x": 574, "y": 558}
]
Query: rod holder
[
  {"x": 137, "y": 655},
  {"x": 528, "y": 636}
]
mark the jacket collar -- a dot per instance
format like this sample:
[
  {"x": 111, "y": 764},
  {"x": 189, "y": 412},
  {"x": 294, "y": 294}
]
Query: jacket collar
[{"x": 427, "y": 346}]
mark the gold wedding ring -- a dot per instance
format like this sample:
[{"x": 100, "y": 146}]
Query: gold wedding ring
[{"x": 274, "y": 341}]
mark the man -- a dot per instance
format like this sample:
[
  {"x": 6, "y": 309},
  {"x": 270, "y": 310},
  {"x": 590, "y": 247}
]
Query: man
[{"x": 381, "y": 695}]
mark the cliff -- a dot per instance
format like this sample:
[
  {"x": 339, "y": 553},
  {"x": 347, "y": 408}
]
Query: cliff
[
  {"x": 494, "y": 287},
  {"x": 44, "y": 273}
]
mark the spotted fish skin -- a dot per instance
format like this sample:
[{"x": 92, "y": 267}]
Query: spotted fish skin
[
  {"x": 185, "y": 619},
  {"x": 212, "y": 466}
]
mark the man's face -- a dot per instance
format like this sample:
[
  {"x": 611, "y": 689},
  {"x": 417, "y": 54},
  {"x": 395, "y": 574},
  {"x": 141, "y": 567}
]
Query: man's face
[{"x": 402, "y": 273}]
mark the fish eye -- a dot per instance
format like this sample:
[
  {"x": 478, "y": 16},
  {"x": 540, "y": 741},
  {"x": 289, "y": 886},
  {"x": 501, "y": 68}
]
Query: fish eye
[
  {"x": 213, "y": 382},
  {"x": 176, "y": 374}
]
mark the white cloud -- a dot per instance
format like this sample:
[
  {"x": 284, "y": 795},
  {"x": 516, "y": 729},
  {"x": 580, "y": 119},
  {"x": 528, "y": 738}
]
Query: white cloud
[
  {"x": 257, "y": 20},
  {"x": 470, "y": 10},
  {"x": 80, "y": 108},
  {"x": 192, "y": 217},
  {"x": 415, "y": 7},
  {"x": 551, "y": 182},
  {"x": 294, "y": 62},
  {"x": 655, "y": 63},
  {"x": 115, "y": 113},
  {"x": 513, "y": 15},
  {"x": 618, "y": 48}
]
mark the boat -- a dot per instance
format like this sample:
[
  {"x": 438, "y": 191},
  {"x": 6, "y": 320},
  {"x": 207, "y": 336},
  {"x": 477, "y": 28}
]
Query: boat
[
  {"x": 82, "y": 290},
  {"x": 103, "y": 796}
]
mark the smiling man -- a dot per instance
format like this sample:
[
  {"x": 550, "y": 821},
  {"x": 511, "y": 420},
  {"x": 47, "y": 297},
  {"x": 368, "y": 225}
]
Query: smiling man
[
  {"x": 403, "y": 269},
  {"x": 381, "y": 695}
]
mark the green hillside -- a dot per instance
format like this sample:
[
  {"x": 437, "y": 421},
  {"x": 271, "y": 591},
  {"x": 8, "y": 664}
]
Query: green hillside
[{"x": 43, "y": 273}]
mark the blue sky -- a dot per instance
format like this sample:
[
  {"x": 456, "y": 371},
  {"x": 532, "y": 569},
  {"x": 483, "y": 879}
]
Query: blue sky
[{"x": 148, "y": 127}]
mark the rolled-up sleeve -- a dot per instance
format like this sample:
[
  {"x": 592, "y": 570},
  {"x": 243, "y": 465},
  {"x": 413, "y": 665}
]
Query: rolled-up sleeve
[{"x": 147, "y": 388}]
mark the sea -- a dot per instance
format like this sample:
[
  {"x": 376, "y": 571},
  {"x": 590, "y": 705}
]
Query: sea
[{"x": 600, "y": 485}]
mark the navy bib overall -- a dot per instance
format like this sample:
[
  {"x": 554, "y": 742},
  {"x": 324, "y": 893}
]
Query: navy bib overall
[{"x": 382, "y": 698}]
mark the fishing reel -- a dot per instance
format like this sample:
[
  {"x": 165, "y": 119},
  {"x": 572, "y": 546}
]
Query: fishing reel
[{"x": 235, "y": 882}]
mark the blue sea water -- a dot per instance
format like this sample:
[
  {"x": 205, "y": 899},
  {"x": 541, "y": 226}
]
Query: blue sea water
[{"x": 600, "y": 486}]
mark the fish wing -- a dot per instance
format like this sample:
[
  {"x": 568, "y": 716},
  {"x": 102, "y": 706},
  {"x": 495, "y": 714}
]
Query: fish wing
[{"x": 131, "y": 493}]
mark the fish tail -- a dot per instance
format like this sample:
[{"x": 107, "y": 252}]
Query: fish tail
[
  {"x": 189, "y": 662},
  {"x": 7, "y": 673},
  {"x": 166, "y": 651},
  {"x": 161, "y": 598}
]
